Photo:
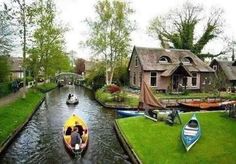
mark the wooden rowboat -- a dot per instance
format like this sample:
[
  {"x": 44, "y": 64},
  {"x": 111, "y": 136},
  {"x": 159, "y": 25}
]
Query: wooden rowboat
[
  {"x": 191, "y": 133},
  {"x": 206, "y": 105},
  {"x": 67, "y": 138}
]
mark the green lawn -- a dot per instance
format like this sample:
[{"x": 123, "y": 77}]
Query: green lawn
[
  {"x": 46, "y": 87},
  {"x": 14, "y": 114},
  {"x": 157, "y": 142}
]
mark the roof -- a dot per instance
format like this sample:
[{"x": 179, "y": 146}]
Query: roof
[
  {"x": 170, "y": 71},
  {"x": 149, "y": 58},
  {"x": 228, "y": 68},
  {"x": 16, "y": 64}
]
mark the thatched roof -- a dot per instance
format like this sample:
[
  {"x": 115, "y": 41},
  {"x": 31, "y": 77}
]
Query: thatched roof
[
  {"x": 228, "y": 67},
  {"x": 149, "y": 59}
]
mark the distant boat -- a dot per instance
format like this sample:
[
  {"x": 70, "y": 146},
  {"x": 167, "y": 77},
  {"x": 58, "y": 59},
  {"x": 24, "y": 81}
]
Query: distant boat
[
  {"x": 129, "y": 113},
  {"x": 67, "y": 138},
  {"x": 73, "y": 100},
  {"x": 200, "y": 105},
  {"x": 191, "y": 132}
]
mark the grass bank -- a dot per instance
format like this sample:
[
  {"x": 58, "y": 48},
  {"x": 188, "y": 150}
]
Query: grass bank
[
  {"x": 46, "y": 87},
  {"x": 14, "y": 114},
  {"x": 160, "y": 143},
  {"x": 113, "y": 99}
]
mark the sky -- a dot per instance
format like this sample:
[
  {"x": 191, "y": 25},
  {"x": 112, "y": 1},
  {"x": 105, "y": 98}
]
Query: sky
[{"x": 73, "y": 13}]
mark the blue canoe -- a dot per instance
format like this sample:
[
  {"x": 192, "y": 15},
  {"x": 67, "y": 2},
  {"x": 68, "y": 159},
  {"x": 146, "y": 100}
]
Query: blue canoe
[
  {"x": 129, "y": 113},
  {"x": 191, "y": 132}
]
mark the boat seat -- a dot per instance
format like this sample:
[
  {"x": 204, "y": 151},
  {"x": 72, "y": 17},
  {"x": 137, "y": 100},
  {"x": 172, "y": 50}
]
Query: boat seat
[
  {"x": 190, "y": 128},
  {"x": 190, "y": 132},
  {"x": 67, "y": 139}
]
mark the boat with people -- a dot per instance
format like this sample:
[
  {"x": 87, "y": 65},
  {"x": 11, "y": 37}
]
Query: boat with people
[
  {"x": 191, "y": 132},
  {"x": 72, "y": 99},
  {"x": 202, "y": 105},
  {"x": 75, "y": 126}
]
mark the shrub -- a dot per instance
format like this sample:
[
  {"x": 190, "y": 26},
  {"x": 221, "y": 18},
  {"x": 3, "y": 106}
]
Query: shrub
[
  {"x": 5, "y": 89},
  {"x": 113, "y": 88},
  {"x": 103, "y": 96},
  {"x": 119, "y": 96}
]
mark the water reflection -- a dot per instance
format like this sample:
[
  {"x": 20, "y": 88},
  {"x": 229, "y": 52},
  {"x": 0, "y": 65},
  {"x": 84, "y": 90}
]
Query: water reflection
[{"x": 41, "y": 140}]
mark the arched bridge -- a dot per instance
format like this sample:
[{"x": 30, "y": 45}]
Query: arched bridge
[{"x": 68, "y": 77}]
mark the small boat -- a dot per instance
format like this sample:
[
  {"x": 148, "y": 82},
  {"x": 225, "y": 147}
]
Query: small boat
[
  {"x": 73, "y": 100},
  {"x": 129, "y": 113},
  {"x": 70, "y": 123},
  {"x": 191, "y": 133},
  {"x": 200, "y": 105}
]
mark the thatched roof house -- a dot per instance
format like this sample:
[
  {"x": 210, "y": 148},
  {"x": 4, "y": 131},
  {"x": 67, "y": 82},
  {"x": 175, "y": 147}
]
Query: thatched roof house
[
  {"x": 167, "y": 69},
  {"x": 226, "y": 71}
]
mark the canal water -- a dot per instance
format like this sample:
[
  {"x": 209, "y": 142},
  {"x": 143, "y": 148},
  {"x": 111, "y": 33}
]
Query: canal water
[{"x": 41, "y": 140}]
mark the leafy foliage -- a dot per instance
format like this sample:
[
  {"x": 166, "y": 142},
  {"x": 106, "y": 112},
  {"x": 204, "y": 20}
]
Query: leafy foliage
[
  {"x": 6, "y": 32},
  {"x": 110, "y": 33},
  {"x": 5, "y": 89},
  {"x": 178, "y": 28},
  {"x": 112, "y": 88},
  {"x": 46, "y": 54},
  {"x": 4, "y": 69}
]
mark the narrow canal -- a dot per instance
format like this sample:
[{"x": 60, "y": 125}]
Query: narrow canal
[{"x": 41, "y": 140}]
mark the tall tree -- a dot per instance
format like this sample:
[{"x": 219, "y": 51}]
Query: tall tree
[
  {"x": 110, "y": 33},
  {"x": 178, "y": 28},
  {"x": 47, "y": 51},
  {"x": 6, "y": 32},
  {"x": 22, "y": 14}
]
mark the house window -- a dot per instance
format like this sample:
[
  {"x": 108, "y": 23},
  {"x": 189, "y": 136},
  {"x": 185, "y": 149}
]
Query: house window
[
  {"x": 215, "y": 67},
  {"x": 187, "y": 60},
  {"x": 164, "y": 59},
  {"x": 134, "y": 79},
  {"x": 194, "y": 79},
  {"x": 153, "y": 79},
  {"x": 136, "y": 61}
]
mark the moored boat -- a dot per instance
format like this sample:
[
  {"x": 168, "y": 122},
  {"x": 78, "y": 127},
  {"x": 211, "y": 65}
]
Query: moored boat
[
  {"x": 129, "y": 113},
  {"x": 200, "y": 105},
  {"x": 71, "y": 123},
  {"x": 191, "y": 132}
]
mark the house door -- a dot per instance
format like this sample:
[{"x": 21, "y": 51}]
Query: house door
[{"x": 177, "y": 80}]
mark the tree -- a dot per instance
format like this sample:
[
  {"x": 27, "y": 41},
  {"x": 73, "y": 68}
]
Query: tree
[
  {"x": 5, "y": 31},
  {"x": 178, "y": 28},
  {"x": 80, "y": 66},
  {"x": 46, "y": 53},
  {"x": 110, "y": 33},
  {"x": 23, "y": 17}
]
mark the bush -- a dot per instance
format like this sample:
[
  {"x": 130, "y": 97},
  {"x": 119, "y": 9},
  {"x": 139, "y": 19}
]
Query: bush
[
  {"x": 119, "y": 96},
  {"x": 103, "y": 96},
  {"x": 113, "y": 88},
  {"x": 46, "y": 87},
  {"x": 5, "y": 89}
]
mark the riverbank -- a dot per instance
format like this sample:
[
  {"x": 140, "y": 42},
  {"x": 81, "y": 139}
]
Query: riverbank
[
  {"x": 46, "y": 87},
  {"x": 157, "y": 142},
  {"x": 16, "y": 114}
]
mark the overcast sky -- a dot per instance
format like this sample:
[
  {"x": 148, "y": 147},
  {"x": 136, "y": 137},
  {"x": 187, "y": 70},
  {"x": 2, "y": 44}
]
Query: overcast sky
[{"x": 73, "y": 13}]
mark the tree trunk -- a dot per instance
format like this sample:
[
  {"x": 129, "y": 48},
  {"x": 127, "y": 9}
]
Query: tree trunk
[{"x": 24, "y": 49}]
